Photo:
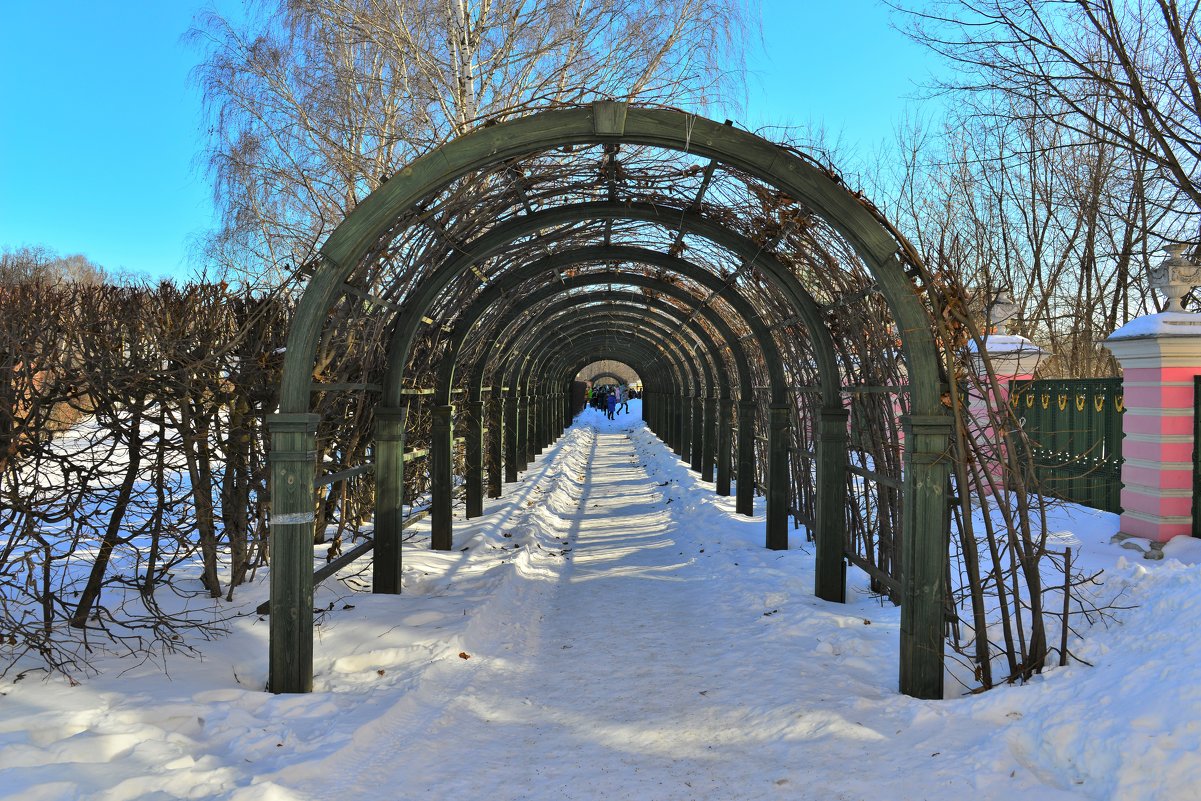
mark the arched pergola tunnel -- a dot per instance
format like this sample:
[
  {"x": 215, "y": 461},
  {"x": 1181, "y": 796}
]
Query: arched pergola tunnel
[
  {"x": 746, "y": 286},
  {"x": 608, "y": 371}
]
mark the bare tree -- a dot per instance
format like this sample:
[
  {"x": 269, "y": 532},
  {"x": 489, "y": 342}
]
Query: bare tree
[
  {"x": 316, "y": 102},
  {"x": 1061, "y": 220},
  {"x": 1123, "y": 74},
  {"x": 131, "y": 448},
  {"x": 1069, "y": 157},
  {"x": 40, "y": 263}
]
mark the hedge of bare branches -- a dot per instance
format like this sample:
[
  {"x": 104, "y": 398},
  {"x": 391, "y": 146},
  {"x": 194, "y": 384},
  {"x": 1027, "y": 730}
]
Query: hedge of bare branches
[{"x": 132, "y": 460}]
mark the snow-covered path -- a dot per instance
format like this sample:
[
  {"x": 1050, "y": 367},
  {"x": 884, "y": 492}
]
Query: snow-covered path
[
  {"x": 664, "y": 654},
  {"x": 624, "y": 683}
]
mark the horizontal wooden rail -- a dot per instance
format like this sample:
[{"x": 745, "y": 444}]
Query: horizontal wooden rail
[
  {"x": 341, "y": 475},
  {"x": 804, "y": 519},
  {"x": 347, "y": 388},
  {"x": 887, "y": 481},
  {"x": 867, "y": 567},
  {"x": 418, "y": 453},
  {"x": 852, "y": 389}
]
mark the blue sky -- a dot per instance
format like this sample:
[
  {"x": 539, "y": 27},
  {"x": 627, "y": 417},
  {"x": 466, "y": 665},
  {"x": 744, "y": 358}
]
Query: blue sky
[
  {"x": 102, "y": 134},
  {"x": 837, "y": 65}
]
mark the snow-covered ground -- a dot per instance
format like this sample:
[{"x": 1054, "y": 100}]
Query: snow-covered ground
[{"x": 612, "y": 630}]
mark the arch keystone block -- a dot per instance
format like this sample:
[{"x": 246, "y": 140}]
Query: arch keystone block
[{"x": 609, "y": 117}]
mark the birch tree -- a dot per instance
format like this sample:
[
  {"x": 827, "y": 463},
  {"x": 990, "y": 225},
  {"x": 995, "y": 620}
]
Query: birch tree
[{"x": 313, "y": 103}]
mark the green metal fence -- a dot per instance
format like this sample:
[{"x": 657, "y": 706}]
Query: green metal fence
[{"x": 1074, "y": 427}]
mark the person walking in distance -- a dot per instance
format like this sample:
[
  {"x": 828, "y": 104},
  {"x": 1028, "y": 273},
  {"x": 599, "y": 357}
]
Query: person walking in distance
[
  {"x": 610, "y": 404},
  {"x": 623, "y": 399}
]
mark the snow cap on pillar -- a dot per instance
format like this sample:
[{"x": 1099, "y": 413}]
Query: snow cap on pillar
[{"x": 1010, "y": 355}]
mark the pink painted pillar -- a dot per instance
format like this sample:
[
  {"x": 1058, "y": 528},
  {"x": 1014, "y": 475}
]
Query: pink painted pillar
[
  {"x": 1012, "y": 358},
  {"x": 1159, "y": 355}
]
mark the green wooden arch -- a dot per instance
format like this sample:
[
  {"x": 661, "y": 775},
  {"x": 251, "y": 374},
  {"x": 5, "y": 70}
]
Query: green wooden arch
[
  {"x": 293, "y": 430},
  {"x": 751, "y": 318},
  {"x": 595, "y": 377},
  {"x": 441, "y": 454}
]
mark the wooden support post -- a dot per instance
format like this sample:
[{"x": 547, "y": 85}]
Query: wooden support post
[
  {"x": 531, "y": 430},
  {"x": 474, "y": 458},
  {"x": 708, "y": 452},
  {"x": 540, "y": 426},
  {"x": 924, "y": 546},
  {"x": 521, "y": 402},
  {"x": 778, "y": 441},
  {"x": 670, "y": 420},
  {"x": 512, "y": 419},
  {"x": 293, "y": 468},
  {"x": 539, "y": 439},
  {"x": 698, "y": 434},
  {"x": 496, "y": 439},
  {"x": 389, "y": 498},
  {"x": 745, "y": 488},
  {"x": 441, "y": 478},
  {"x": 725, "y": 411},
  {"x": 685, "y": 427},
  {"x": 830, "y": 579},
  {"x": 677, "y": 423}
]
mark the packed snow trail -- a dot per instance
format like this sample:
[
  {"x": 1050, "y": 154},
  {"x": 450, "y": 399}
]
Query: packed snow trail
[{"x": 642, "y": 661}]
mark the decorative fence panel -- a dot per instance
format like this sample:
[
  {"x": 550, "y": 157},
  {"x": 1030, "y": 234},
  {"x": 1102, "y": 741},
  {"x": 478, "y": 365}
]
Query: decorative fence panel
[{"x": 1074, "y": 428}]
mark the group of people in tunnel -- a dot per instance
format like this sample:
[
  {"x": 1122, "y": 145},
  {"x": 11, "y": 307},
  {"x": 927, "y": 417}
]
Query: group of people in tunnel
[{"x": 611, "y": 400}]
